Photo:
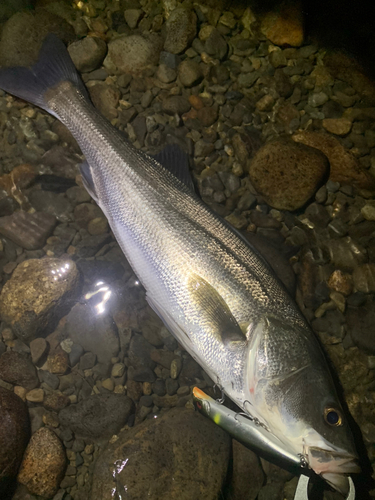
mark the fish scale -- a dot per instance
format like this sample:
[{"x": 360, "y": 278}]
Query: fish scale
[{"x": 201, "y": 277}]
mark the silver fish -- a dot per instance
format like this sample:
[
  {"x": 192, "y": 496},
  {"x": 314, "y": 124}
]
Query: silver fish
[{"x": 214, "y": 292}]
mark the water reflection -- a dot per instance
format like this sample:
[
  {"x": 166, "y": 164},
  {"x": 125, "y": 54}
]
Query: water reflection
[
  {"x": 99, "y": 297},
  {"x": 60, "y": 272}
]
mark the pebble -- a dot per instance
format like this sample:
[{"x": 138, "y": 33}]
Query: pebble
[
  {"x": 368, "y": 211},
  {"x": 35, "y": 396},
  {"x": 18, "y": 369},
  {"x": 88, "y": 54},
  {"x": 189, "y": 73},
  {"x": 118, "y": 370},
  {"x": 28, "y": 230},
  {"x": 176, "y": 366},
  {"x": 181, "y": 28},
  {"x": 38, "y": 350},
  {"x": 337, "y": 126}
]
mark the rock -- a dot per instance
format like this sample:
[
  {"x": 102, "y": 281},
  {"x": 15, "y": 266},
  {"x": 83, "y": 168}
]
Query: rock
[
  {"x": 56, "y": 401},
  {"x": 360, "y": 323},
  {"x": 96, "y": 334},
  {"x": 207, "y": 115},
  {"x": 317, "y": 99},
  {"x": 88, "y": 54},
  {"x": 17, "y": 369},
  {"x": 50, "y": 203},
  {"x": 284, "y": 26},
  {"x": 14, "y": 435},
  {"x": 247, "y": 476},
  {"x": 85, "y": 212},
  {"x": 344, "y": 167},
  {"x": 368, "y": 211},
  {"x": 181, "y": 28},
  {"x": 58, "y": 361},
  {"x": 341, "y": 282},
  {"x": 23, "y": 33},
  {"x": 29, "y": 231},
  {"x": 132, "y": 17},
  {"x": 364, "y": 278},
  {"x": 43, "y": 464},
  {"x": 175, "y": 450},
  {"x": 132, "y": 54},
  {"x": 346, "y": 254},
  {"x": 176, "y": 104},
  {"x": 337, "y": 126},
  {"x": 172, "y": 386},
  {"x": 163, "y": 357},
  {"x": 37, "y": 295},
  {"x": 166, "y": 74},
  {"x": 105, "y": 98},
  {"x": 144, "y": 374},
  {"x": 38, "y": 350},
  {"x": 215, "y": 45},
  {"x": 265, "y": 103},
  {"x": 287, "y": 176},
  {"x": 98, "y": 416},
  {"x": 140, "y": 352},
  {"x": 35, "y": 396},
  {"x": 159, "y": 387},
  {"x": 176, "y": 366},
  {"x": 99, "y": 225},
  {"x": 189, "y": 73}
]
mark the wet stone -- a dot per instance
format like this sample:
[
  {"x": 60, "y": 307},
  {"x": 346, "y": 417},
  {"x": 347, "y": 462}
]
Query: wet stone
[
  {"x": 144, "y": 374},
  {"x": 159, "y": 387},
  {"x": 364, "y": 278},
  {"x": 181, "y": 27},
  {"x": 171, "y": 386},
  {"x": 29, "y": 231},
  {"x": 87, "y": 361},
  {"x": 43, "y": 464},
  {"x": 88, "y": 54},
  {"x": 99, "y": 416},
  {"x": 140, "y": 352},
  {"x": 18, "y": 369},
  {"x": 38, "y": 349}
]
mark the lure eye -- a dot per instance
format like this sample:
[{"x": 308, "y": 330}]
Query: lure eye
[{"x": 332, "y": 417}]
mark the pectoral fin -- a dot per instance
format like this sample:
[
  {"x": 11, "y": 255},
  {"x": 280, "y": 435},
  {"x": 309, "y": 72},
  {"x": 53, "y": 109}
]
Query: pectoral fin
[{"x": 214, "y": 311}]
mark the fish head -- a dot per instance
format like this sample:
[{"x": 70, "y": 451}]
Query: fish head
[{"x": 291, "y": 391}]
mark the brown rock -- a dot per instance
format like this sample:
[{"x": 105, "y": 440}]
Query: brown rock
[
  {"x": 181, "y": 455},
  {"x": 163, "y": 357},
  {"x": 38, "y": 349},
  {"x": 29, "y": 231},
  {"x": 43, "y": 464},
  {"x": 248, "y": 476},
  {"x": 196, "y": 101},
  {"x": 38, "y": 295},
  {"x": 165, "y": 401},
  {"x": 56, "y": 401},
  {"x": 284, "y": 26},
  {"x": 207, "y": 115},
  {"x": 14, "y": 435},
  {"x": 58, "y": 361},
  {"x": 287, "y": 176},
  {"x": 345, "y": 168},
  {"x": 134, "y": 390},
  {"x": 105, "y": 98},
  {"x": 337, "y": 126},
  {"x": 16, "y": 368},
  {"x": 240, "y": 149},
  {"x": 181, "y": 28},
  {"x": 341, "y": 282}
]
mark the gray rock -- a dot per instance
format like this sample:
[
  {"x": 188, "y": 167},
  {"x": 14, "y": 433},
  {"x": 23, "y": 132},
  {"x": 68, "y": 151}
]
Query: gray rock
[
  {"x": 144, "y": 374},
  {"x": 181, "y": 28},
  {"x": 133, "y": 16},
  {"x": 50, "y": 203},
  {"x": 216, "y": 46},
  {"x": 98, "y": 416},
  {"x": 189, "y": 73},
  {"x": 38, "y": 294},
  {"x": 360, "y": 323},
  {"x": 132, "y": 54},
  {"x": 87, "y": 361},
  {"x": 140, "y": 352},
  {"x": 176, "y": 104},
  {"x": 159, "y": 388},
  {"x": 165, "y": 73},
  {"x": 38, "y": 349},
  {"x": 175, "y": 450},
  {"x": 248, "y": 476},
  {"x": 96, "y": 334},
  {"x": 105, "y": 98},
  {"x": 364, "y": 278},
  {"x": 317, "y": 99},
  {"x": 171, "y": 386},
  {"x": 163, "y": 357},
  {"x": 48, "y": 378},
  {"x": 29, "y": 231},
  {"x": 14, "y": 434},
  {"x": 345, "y": 253},
  {"x": 17, "y": 369},
  {"x": 75, "y": 354},
  {"x": 88, "y": 53}
]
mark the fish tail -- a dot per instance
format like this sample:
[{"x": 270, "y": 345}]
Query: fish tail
[{"x": 54, "y": 66}]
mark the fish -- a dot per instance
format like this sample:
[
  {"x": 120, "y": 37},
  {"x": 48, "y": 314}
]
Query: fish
[{"x": 215, "y": 293}]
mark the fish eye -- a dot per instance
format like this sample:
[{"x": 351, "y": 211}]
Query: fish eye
[{"x": 333, "y": 417}]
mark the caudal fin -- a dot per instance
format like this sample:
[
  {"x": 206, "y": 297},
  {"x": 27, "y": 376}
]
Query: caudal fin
[{"x": 54, "y": 65}]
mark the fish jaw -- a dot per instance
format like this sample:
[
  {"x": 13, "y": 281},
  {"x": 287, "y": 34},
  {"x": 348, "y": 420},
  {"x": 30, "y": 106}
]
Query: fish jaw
[{"x": 333, "y": 465}]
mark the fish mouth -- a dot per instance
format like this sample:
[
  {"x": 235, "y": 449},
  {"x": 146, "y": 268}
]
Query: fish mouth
[{"x": 333, "y": 466}]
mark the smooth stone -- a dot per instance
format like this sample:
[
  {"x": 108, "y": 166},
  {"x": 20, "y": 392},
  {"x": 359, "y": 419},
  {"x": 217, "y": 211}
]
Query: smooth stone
[
  {"x": 98, "y": 416},
  {"x": 29, "y": 231},
  {"x": 337, "y": 126},
  {"x": 37, "y": 295},
  {"x": 35, "y": 396},
  {"x": 18, "y": 369},
  {"x": 88, "y": 54},
  {"x": 38, "y": 350},
  {"x": 43, "y": 464},
  {"x": 181, "y": 28},
  {"x": 179, "y": 445}
]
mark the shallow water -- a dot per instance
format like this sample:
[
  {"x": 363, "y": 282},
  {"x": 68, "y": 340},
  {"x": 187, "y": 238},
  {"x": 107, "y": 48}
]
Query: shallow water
[{"x": 281, "y": 138}]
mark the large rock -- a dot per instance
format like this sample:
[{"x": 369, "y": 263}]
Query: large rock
[
  {"x": 181, "y": 28},
  {"x": 43, "y": 464},
  {"x": 181, "y": 455},
  {"x": 248, "y": 475},
  {"x": 95, "y": 333},
  {"x": 287, "y": 174},
  {"x": 38, "y": 294},
  {"x": 14, "y": 435},
  {"x": 24, "y": 33},
  {"x": 132, "y": 54},
  {"x": 98, "y": 416},
  {"x": 345, "y": 168},
  {"x": 17, "y": 369}
]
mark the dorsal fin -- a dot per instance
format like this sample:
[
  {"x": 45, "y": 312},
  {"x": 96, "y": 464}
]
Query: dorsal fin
[{"x": 174, "y": 159}]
